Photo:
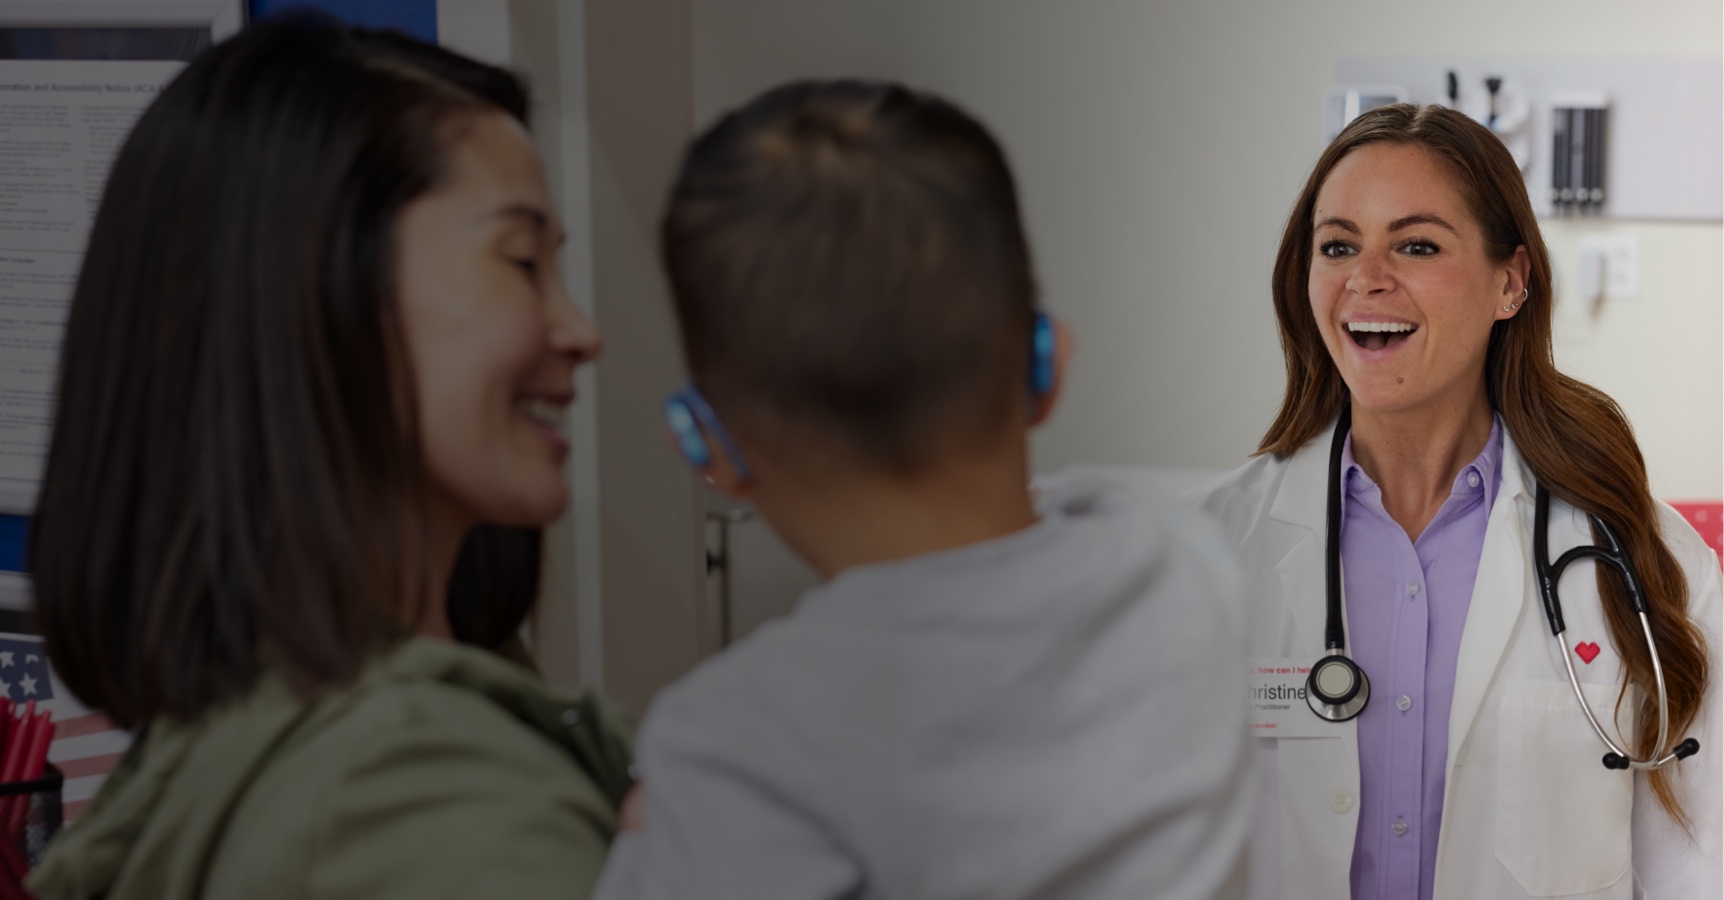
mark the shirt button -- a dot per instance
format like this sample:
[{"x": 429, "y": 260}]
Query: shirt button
[
  {"x": 1341, "y": 801},
  {"x": 1404, "y": 703},
  {"x": 571, "y": 716},
  {"x": 1399, "y": 828},
  {"x": 1412, "y": 589},
  {"x": 1472, "y": 479}
]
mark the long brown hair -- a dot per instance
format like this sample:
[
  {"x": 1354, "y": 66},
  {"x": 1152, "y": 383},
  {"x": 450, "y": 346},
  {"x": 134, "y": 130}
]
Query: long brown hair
[
  {"x": 234, "y": 461},
  {"x": 1576, "y": 440}
]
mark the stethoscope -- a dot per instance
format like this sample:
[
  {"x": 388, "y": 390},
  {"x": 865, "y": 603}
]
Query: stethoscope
[{"x": 1337, "y": 688}]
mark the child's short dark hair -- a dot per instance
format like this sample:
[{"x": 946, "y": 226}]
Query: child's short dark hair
[{"x": 850, "y": 271}]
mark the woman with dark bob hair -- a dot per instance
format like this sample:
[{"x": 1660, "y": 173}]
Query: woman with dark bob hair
[
  {"x": 1484, "y": 710},
  {"x": 307, "y": 434}
]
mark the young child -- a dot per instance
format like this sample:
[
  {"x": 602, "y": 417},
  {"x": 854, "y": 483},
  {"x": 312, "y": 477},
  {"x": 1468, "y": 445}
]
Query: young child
[{"x": 989, "y": 697}]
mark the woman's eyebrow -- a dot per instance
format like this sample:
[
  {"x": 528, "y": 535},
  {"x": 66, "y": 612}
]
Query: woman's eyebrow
[
  {"x": 534, "y": 215},
  {"x": 1423, "y": 219},
  {"x": 1397, "y": 225}
]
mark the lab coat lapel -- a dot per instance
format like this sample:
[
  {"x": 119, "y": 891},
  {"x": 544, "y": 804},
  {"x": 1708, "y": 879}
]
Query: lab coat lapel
[
  {"x": 1499, "y": 595},
  {"x": 1302, "y": 501}
]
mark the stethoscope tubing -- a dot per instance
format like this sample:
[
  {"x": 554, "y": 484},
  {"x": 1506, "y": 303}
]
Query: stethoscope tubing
[
  {"x": 1613, "y": 555},
  {"x": 1548, "y": 574}
]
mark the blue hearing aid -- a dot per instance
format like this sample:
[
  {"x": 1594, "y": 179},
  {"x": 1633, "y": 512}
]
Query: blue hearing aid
[
  {"x": 687, "y": 413},
  {"x": 1042, "y": 356}
]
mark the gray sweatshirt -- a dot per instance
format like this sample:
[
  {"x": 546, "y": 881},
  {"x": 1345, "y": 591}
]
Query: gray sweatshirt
[{"x": 1056, "y": 713}]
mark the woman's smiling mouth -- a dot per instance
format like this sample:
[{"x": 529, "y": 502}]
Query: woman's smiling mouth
[{"x": 1379, "y": 335}]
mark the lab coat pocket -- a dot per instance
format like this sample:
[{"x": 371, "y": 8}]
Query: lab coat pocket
[{"x": 1562, "y": 818}]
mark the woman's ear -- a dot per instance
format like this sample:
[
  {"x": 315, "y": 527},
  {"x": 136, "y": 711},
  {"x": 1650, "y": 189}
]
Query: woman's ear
[
  {"x": 1064, "y": 346},
  {"x": 1516, "y": 281}
]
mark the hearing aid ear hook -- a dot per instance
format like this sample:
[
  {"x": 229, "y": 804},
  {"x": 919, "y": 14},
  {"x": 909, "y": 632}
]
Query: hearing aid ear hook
[
  {"x": 688, "y": 414},
  {"x": 1042, "y": 341}
]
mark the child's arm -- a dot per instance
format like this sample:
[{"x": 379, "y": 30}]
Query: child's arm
[{"x": 717, "y": 823}]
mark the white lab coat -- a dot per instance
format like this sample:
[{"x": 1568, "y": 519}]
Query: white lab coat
[{"x": 1529, "y": 810}]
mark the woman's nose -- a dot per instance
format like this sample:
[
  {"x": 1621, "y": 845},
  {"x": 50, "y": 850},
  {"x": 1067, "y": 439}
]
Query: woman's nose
[
  {"x": 572, "y": 333},
  {"x": 1370, "y": 275}
]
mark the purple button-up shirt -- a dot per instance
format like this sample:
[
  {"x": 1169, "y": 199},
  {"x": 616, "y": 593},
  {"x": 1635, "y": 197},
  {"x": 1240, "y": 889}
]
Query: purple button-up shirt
[{"x": 1406, "y": 605}]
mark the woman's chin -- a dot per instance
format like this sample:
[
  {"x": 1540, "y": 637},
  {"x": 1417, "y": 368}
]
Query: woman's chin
[
  {"x": 534, "y": 507},
  {"x": 1373, "y": 396}
]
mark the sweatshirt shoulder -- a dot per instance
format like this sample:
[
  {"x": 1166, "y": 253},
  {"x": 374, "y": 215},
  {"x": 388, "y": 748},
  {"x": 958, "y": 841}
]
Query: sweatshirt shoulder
[{"x": 411, "y": 784}]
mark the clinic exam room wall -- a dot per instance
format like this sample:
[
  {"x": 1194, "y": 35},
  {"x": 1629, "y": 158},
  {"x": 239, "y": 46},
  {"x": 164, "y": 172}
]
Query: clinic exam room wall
[{"x": 1159, "y": 147}]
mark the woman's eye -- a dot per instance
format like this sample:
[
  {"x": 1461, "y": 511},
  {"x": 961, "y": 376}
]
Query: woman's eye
[
  {"x": 1334, "y": 249},
  {"x": 529, "y": 266},
  {"x": 1420, "y": 248}
]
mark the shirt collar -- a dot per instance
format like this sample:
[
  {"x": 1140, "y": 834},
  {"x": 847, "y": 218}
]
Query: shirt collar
[{"x": 1487, "y": 466}]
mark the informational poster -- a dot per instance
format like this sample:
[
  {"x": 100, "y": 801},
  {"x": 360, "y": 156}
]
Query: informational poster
[{"x": 61, "y": 125}]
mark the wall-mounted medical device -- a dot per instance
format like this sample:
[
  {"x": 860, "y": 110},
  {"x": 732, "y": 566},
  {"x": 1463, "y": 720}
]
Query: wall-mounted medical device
[
  {"x": 1619, "y": 138},
  {"x": 1578, "y": 138}
]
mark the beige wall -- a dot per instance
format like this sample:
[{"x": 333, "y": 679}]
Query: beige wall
[
  {"x": 1159, "y": 146},
  {"x": 624, "y": 605},
  {"x": 639, "y": 114}
]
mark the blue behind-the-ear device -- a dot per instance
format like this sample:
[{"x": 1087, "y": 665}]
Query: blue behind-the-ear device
[
  {"x": 1042, "y": 356},
  {"x": 686, "y": 430},
  {"x": 687, "y": 413}
]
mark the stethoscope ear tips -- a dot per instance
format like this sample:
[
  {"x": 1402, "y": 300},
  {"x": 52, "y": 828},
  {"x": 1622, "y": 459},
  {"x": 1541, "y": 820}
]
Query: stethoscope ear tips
[{"x": 1683, "y": 750}]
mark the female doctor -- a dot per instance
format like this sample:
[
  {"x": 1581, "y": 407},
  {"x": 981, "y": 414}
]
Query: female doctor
[{"x": 1442, "y": 750}]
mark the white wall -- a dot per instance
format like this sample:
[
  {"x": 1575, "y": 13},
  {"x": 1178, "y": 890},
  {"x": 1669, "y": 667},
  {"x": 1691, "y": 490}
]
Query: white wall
[{"x": 1158, "y": 148}]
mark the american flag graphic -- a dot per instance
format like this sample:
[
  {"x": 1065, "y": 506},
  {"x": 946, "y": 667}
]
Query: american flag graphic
[
  {"x": 86, "y": 745},
  {"x": 24, "y": 669}
]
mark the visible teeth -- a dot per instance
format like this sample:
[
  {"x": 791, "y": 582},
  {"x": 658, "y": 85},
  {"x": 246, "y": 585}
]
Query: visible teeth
[
  {"x": 1390, "y": 327},
  {"x": 539, "y": 410}
]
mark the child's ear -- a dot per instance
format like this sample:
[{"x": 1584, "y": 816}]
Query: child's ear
[
  {"x": 1064, "y": 346},
  {"x": 722, "y": 476},
  {"x": 718, "y": 472}
]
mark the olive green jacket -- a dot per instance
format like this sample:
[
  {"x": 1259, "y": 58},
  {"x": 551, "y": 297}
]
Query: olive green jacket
[{"x": 445, "y": 771}]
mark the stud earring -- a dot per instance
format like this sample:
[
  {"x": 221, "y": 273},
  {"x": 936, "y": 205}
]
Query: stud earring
[{"x": 1523, "y": 296}]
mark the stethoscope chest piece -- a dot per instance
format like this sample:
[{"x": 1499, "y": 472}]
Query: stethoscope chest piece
[{"x": 1337, "y": 688}]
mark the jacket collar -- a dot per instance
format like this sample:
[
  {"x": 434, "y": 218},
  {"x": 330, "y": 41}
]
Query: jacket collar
[
  {"x": 1303, "y": 499},
  {"x": 1500, "y": 595},
  {"x": 1302, "y": 502}
]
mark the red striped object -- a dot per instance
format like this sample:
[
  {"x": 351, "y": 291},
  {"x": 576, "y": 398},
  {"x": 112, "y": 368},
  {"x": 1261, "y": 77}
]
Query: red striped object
[{"x": 1707, "y": 517}]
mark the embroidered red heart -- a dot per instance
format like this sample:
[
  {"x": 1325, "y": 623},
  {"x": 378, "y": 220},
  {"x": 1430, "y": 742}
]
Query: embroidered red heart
[{"x": 1587, "y": 652}]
